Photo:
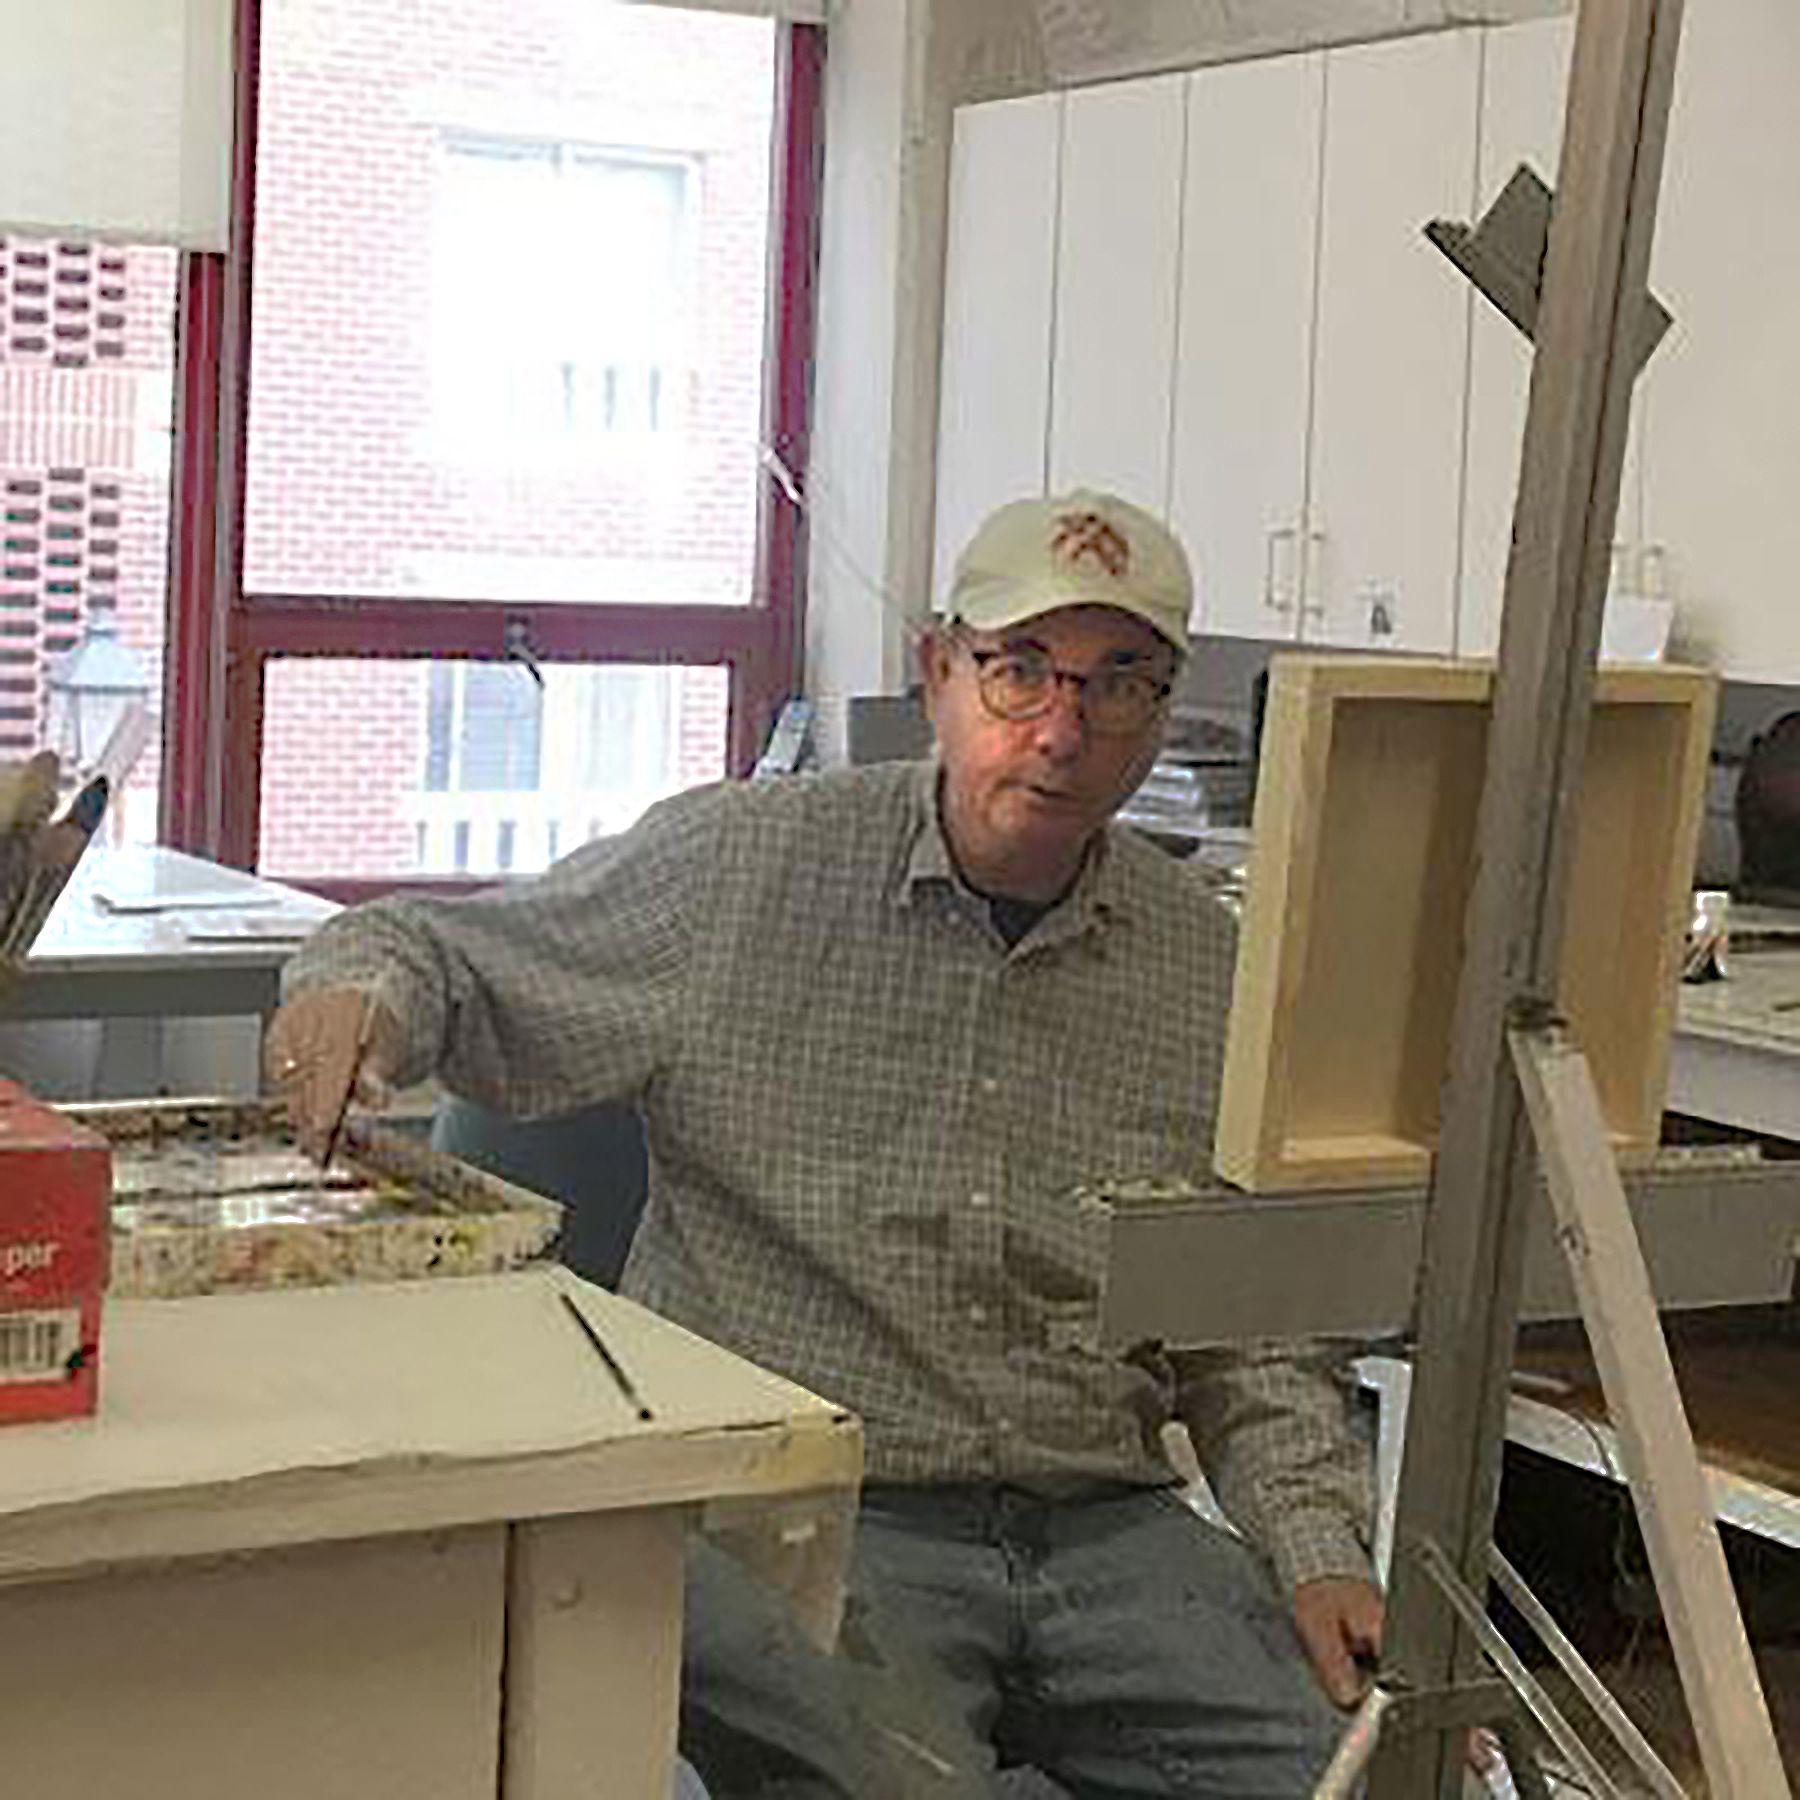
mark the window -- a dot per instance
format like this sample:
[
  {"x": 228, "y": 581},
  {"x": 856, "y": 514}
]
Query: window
[
  {"x": 484, "y": 729},
  {"x": 604, "y": 353},
  {"x": 512, "y": 368},
  {"x": 509, "y": 315},
  {"x": 445, "y": 768}
]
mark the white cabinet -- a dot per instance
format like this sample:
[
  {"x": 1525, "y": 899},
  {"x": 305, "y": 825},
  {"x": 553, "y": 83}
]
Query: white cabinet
[
  {"x": 1244, "y": 361},
  {"x": 1524, "y": 92},
  {"x": 1000, "y": 279},
  {"x": 1117, "y": 268},
  {"x": 1213, "y": 294},
  {"x": 1525, "y": 78},
  {"x": 1707, "y": 512},
  {"x": 1319, "y": 389},
  {"x": 1391, "y": 345}
]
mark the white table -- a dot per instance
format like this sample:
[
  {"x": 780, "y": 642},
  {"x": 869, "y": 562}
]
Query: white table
[
  {"x": 1735, "y": 1057},
  {"x": 375, "y": 1543},
  {"x": 94, "y": 962},
  {"x": 137, "y": 973}
]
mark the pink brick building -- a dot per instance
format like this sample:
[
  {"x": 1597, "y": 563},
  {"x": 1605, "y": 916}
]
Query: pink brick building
[
  {"x": 510, "y": 281},
  {"x": 86, "y": 365}
]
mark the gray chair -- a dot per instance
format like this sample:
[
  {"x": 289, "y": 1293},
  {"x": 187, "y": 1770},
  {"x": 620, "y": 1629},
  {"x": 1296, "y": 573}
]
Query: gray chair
[{"x": 594, "y": 1162}]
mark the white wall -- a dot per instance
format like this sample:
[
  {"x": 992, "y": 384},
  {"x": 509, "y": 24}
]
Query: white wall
[
  {"x": 894, "y": 71},
  {"x": 865, "y": 428}
]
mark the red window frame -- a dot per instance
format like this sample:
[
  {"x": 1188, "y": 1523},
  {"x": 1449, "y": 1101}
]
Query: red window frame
[{"x": 221, "y": 638}]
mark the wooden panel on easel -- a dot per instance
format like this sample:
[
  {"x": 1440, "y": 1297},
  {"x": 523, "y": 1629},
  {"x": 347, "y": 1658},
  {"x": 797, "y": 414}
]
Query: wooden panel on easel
[{"x": 1359, "y": 877}]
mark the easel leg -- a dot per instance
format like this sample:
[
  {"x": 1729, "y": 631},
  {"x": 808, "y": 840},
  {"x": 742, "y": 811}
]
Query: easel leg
[
  {"x": 1593, "y": 1215},
  {"x": 1521, "y": 1760}
]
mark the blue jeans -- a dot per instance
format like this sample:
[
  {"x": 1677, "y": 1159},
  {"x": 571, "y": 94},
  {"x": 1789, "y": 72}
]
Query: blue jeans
[{"x": 1117, "y": 1643}]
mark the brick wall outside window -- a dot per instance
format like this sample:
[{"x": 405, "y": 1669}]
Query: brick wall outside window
[
  {"x": 354, "y": 488},
  {"x": 86, "y": 365}
]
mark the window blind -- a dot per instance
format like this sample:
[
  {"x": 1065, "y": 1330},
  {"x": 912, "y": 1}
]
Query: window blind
[{"x": 116, "y": 119}]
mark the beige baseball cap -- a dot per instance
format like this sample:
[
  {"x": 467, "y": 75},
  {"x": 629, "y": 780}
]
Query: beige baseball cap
[{"x": 1080, "y": 549}]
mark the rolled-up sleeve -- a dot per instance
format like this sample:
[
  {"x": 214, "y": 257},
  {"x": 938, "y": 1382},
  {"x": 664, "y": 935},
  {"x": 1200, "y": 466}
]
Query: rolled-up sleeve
[
  {"x": 1271, "y": 1423},
  {"x": 548, "y": 995}
]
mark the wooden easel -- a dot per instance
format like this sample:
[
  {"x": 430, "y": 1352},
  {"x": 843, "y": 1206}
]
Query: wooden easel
[{"x": 1519, "y": 1095}]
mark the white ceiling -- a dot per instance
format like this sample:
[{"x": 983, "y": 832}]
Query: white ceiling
[{"x": 1088, "y": 40}]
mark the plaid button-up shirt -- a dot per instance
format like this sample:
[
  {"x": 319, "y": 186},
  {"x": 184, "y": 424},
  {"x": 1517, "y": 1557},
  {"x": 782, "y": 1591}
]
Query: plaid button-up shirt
[{"x": 871, "y": 1121}]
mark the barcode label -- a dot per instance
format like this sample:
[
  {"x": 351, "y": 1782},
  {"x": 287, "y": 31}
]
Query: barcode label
[{"x": 37, "y": 1346}]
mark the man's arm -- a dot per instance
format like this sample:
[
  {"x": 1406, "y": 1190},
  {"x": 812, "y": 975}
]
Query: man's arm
[
  {"x": 1271, "y": 1425},
  {"x": 538, "y": 998}
]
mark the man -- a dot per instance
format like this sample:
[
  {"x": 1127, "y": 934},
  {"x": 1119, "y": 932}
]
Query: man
[{"x": 886, "y": 1027}]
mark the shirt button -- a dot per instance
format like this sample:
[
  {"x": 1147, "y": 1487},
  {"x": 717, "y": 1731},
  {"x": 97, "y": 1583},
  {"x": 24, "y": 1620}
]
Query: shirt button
[
  {"x": 990, "y": 1084},
  {"x": 978, "y": 1314},
  {"x": 1005, "y": 1427},
  {"x": 980, "y": 1200}
]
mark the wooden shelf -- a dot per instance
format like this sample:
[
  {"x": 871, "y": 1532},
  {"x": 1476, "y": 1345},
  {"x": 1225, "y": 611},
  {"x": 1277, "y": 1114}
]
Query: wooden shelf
[{"x": 1358, "y": 884}]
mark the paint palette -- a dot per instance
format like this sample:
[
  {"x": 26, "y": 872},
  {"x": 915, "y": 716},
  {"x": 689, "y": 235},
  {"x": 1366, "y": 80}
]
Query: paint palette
[{"x": 215, "y": 1197}]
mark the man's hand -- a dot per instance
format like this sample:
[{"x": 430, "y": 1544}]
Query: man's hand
[
  {"x": 325, "y": 1048},
  {"x": 1339, "y": 1622}
]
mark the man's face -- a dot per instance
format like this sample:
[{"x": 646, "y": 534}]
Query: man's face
[{"x": 1022, "y": 797}]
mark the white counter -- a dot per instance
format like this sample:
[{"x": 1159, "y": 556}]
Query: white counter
[
  {"x": 1735, "y": 1058},
  {"x": 375, "y": 1543},
  {"x": 165, "y": 949},
  {"x": 164, "y": 991}
]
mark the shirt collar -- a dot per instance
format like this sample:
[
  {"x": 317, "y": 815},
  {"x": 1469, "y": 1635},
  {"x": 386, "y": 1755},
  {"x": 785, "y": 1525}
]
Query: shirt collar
[{"x": 1098, "y": 896}]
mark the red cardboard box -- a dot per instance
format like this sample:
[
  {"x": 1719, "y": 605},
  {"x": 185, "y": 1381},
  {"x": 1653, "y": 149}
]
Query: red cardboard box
[{"x": 55, "y": 1197}]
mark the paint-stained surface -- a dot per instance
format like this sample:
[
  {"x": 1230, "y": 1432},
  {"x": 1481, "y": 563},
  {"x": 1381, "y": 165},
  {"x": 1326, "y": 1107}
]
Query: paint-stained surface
[{"x": 215, "y": 1198}]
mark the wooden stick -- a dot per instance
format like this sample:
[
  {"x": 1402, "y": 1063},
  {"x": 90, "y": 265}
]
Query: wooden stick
[
  {"x": 1595, "y": 275},
  {"x": 1656, "y": 1446}
]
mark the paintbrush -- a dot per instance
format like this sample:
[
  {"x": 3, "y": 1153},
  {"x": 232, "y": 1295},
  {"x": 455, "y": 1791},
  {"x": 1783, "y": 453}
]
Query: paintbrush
[
  {"x": 28, "y": 792},
  {"x": 27, "y": 799},
  {"x": 55, "y": 850},
  {"x": 364, "y": 1029},
  {"x": 623, "y": 1382}
]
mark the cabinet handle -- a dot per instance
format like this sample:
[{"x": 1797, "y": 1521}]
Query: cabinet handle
[
  {"x": 1618, "y": 570},
  {"x": 1314, "y": 576},
  {"x": 1273, "y": 540}
]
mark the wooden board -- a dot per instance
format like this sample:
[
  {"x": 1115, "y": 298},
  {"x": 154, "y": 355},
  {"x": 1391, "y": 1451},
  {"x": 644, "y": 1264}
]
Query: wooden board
[
  {"x": 244, "y": 1421},
  {"x": 360, "y": 1671},
  {"x": 1358, "y": 884},
  {"x": 593, "y": 1655},
  {"x": 1656, "y": 1444},
  {"x": 1738, "y": 1390}
]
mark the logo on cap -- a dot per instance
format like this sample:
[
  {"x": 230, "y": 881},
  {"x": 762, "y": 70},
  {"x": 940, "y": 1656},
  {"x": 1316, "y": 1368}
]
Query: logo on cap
[{"x": 1080, "y": 534}]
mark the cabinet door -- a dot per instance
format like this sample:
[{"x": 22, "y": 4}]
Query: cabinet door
[
  {"x": 1243, "y": 367},
  {"x": 1391, "y": 349},
  {"x": 1116, "y": 267},
  {"x": 994, "y": 403},
  {"x": 1525, "y": 78},
  {"x": 1524, "y": 92},
  {"x": 1722, "y": 450}
]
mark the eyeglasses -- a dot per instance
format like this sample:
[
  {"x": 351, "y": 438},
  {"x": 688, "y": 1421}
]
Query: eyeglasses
[{"x": 1021, "y": 683}]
